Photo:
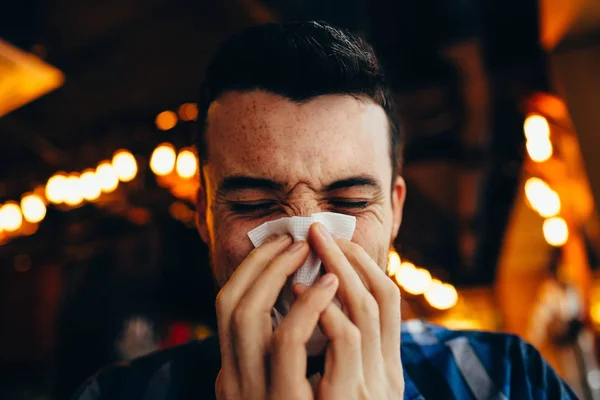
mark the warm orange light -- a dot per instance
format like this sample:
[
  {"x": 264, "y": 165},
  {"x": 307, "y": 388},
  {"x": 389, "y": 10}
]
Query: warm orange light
[
  {"x": 33, "y": 208},
  {"x": 441, "y": 295},
  {"x": 107, "y": 177},
  {"x": 539, "y": 150},
  {"x": 187, "y": 165},
  {"x": 393, "y": 263},
  {"x": 162, "y": 160},
  {"x": 74, "y": 196},
  {"x": 556, "y": 231},
  {"x": 166, "y": 120},
  {"x": 89, "y": 184},
  {"x": 11, "y": 218},
  {"x": 188, "y": 112},
  {"x": 125, "y": 165},
  {"x": 416, "y": 281},
  {"x": 536, "y": 127},
  {"x": 56, "y": 188},
  {"x": 542, "y": 198}
]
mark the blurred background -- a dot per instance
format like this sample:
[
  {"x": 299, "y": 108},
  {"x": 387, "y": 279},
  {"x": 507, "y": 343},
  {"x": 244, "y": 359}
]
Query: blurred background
[{"x": 99, "y": 259}]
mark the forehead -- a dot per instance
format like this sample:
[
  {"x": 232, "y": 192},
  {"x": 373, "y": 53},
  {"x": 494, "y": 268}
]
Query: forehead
[{"x": 326, "y": 138}]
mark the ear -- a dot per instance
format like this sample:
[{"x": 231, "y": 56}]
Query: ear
[
  {"x": 398, "y": 196},
  {"x": 201, "y": 204}
]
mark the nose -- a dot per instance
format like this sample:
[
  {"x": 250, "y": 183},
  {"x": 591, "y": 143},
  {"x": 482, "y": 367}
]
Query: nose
[{"x": 303, "y": 202}]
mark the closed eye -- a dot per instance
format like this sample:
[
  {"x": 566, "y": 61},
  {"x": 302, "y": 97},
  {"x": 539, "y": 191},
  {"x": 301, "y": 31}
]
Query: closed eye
[
  {"x": 251, "y": 207},
  {"x": 349, "y": 204}
]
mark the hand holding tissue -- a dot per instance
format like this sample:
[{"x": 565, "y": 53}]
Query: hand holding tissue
[{"x": 340, "y": 225}]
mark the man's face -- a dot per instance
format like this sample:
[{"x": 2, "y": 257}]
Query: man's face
[{"x": 269, "y": 158}]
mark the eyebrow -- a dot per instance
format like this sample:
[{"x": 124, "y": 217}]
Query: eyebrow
[
  {"x": 241, "y": 182},
  {"x": 361, "y": 180}
]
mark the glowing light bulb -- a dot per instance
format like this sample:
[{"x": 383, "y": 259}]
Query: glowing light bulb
[
  {"x": 74, "y": 196},
  {"x": 542, "y": 198},
  {"x": 188, "y": 112},
  {"x": 56, "y": 188},
  {"x": 125, "y": 165},
  {"x": 107, "y": 177},
  {"x": 441, "y": 295},
  {"x": 187, "y": 165},
  {"x": 419, "y": 280},
  {"x": 556, "y": 231},
  {"x": 166, "y": 120},
  {"x": 393, "y": 263},
  {"x": 33, "y": 208},
  {"x": 11, "y": 218},
  {"x": 162, "y": 160},
  {"x": 89, "y": 184},
  {"x": 536, "y": 127},
  {"x": 539, "y": 150}
]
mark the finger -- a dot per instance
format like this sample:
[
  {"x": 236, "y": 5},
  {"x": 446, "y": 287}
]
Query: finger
[
  {"x": 343, "y": 360},
  {"x": 361, "y": 305},
  {"x": 251, "y": 320},
  {"x": 385, "y": 292},
  {"x": 288, "y": 350},
  {"x": 237, "y": 285}
]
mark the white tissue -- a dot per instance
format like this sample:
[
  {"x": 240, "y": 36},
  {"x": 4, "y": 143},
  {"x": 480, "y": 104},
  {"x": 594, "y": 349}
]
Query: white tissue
[{"x": 340, "y": 226}]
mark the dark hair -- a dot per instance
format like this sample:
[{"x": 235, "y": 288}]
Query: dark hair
[{"x": 299, "y": 61}]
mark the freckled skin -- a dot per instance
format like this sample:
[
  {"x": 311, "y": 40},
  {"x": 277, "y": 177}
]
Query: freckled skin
[{"x": 307, "y": 146}]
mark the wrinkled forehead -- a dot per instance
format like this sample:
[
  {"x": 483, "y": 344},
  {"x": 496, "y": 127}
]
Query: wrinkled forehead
[{"x": 325, "y": 138}]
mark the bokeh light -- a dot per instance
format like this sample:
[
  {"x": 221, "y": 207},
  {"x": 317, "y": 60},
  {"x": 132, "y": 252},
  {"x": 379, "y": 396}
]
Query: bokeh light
[
  {"x": 404, "y": 272},
  {"x": 187, "y": 165},
  {"x": 162, "y": 160},
  {"x": 441, "y": 296},
  {"x": 166, "y": 120},
  {"x": 556, "y": 231},
  {"x": 56, "y": 188},
  {"x": 418, "y": 281},
  {"x": 89, "y": 184},
  {"x": 542, "y": 198},
  {"x": 125, "y": 165},
  {"x": 107, "y": 177},
  {"x": 188, "y": 112},
  {"x": 33, "y": 208},
  {"x": 74, "y": 196},
  {"x": 539, "y": 150},
  {"x": 393, "y": 263},
  {"x": 11, "y": 218},
  {"x": 536, "y": 127}
]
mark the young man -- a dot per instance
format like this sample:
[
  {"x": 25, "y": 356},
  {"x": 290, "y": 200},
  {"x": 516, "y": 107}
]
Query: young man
[{"x": 295, "y": 119}]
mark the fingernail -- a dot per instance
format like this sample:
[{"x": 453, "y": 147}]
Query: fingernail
[
  {"x": 273, "y": 238},
  {"x": 295, "y": 246},
  {"x": 323, "y": 230},
  {"x": 327, "y": 280},
  {"x": 283, "y": 238}
]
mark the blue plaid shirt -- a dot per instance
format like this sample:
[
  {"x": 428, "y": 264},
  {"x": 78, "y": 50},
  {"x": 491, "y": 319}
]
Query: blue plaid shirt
[{"x": 438, "y": 364}]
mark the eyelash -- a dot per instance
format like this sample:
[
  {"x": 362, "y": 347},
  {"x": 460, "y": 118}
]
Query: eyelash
[{"x": 250, "y": 208}]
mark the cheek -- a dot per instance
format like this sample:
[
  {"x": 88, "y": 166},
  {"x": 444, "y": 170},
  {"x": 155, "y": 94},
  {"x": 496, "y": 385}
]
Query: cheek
[
  {"x": 231, "y": 246},
  {"x": 374, "y": 239}
]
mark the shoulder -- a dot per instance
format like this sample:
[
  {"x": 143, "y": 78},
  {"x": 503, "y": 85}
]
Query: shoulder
[
  {"x": 172, "y": 373},
  {"x": 476, "y": 363}
]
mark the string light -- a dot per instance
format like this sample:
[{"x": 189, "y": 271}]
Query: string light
[
  {"x": 187, "y": 165},
  {"x": 162, "y": 160},
  {"x": 73, "y": 195},
  {"x": 556, "y": 231},
  {"x": 11, "y": 218},
  {"x": 442, "y": 296},
  {"x": 542, "y": 198},
  {"x": 125, "y": 165},
  {"x": 393, "y": 263},
  {"x": 89, "y": 184},
  {"x": 418, "y": 281},
  {"x": 404, "y": 273},
  {"x": 188, "y": 112},
  {"x": 539, "y": 150},
  {"x": 166, "y": 120},
  {"x": 56, "y": 188},
  {"x": 107, "y": 177},
  {"x": 536, "y": 127},
  {"x": 33, "y": 208}
]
